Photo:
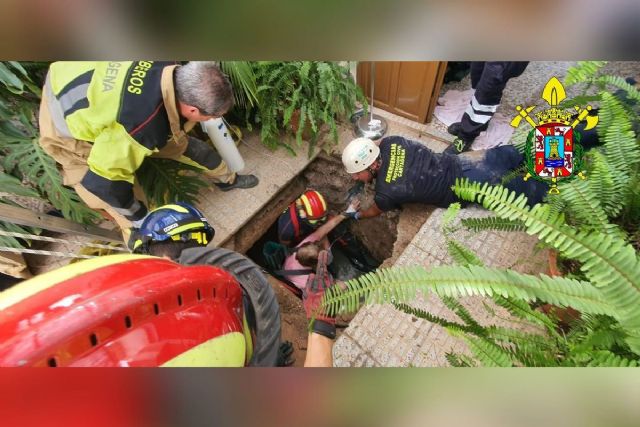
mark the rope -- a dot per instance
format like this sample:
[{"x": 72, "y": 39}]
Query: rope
[
  {"x": 54, "y": 240},
  {"x": 40, "y": 252}
]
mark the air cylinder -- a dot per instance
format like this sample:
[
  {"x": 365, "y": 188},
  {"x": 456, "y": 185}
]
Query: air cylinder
[{"x": 226, "y": 147}]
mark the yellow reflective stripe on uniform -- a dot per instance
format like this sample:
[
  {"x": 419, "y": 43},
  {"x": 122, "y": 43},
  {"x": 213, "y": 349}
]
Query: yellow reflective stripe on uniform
[
  {"x": 224, "y": 351},
  {"x": 30, "y": 287},
  {"x": 63, "y": 73},
  {"x": 104, "y": 94}
]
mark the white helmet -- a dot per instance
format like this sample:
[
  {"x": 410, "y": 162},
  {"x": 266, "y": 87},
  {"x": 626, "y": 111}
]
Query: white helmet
[{"x": 359, "y": 154}]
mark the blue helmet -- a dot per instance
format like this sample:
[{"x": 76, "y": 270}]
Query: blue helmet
[{"x": 178, "y": 222}]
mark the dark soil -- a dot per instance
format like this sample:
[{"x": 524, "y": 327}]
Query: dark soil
[{"x": 293, "y": 320}]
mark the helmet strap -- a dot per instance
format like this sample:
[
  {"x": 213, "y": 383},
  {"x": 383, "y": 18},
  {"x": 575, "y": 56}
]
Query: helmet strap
[{"x": 373, "y": 172}]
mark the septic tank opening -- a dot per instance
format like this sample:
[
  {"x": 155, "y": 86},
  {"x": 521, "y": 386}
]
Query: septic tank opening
[{"x": 376, "y": 236}]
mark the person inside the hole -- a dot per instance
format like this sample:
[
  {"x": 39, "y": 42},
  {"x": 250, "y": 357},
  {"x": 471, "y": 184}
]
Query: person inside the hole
[
  {"x": 301, "y": 218},
  {"x": 304, "y": 216},
  {"x": 181, "y": 233},
  {"x": 305, "y": 254},
  {"x": 407, "y": 171}
]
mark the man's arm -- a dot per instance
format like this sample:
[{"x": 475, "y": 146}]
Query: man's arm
[
  {"x": 114, "y": 158},
  {"x": 323, "y": 332},
  {"x": 371, "y": 211},
  {"x": 319, "y": 351},
  {"x": 332, "y": 223}
]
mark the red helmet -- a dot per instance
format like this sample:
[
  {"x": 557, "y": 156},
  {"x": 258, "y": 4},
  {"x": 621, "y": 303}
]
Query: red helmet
[{"x": 311, "y": 206}]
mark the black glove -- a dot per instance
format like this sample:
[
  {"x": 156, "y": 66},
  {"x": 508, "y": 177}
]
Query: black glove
[{"x": 285, "y": 354}]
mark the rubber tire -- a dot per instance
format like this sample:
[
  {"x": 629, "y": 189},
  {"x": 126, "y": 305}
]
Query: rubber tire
[{"x": 256, "y": 288}]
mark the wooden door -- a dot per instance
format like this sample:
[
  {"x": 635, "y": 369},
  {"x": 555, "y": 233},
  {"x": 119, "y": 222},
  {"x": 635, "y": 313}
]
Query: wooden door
[{"x": 408, "y": 89}]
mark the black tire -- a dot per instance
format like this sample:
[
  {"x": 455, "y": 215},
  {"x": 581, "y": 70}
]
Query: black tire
[{"x": 266, "y": 311}]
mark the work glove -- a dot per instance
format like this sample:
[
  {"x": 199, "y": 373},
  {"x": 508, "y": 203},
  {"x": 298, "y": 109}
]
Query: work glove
[
  {"x": 352, "y": 210},
  {"x": 285, "y": 354},
  {"x": 317, "y": 283}
]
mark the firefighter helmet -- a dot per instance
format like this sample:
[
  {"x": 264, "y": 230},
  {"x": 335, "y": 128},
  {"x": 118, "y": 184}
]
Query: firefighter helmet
[
  {"x": 177, "y": 222},
  {"x": 311, "y": 207}
]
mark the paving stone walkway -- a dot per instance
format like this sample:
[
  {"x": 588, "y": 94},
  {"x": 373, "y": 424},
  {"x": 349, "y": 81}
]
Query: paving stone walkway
[{"x": 380, "y": 335}]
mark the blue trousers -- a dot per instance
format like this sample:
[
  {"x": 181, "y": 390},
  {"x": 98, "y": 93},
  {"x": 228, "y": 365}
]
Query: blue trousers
[{"x": 491, "y": 165}]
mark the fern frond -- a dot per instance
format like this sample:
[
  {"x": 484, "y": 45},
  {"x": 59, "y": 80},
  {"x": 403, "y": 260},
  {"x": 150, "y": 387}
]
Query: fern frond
[
  {"x": 609, "y": 263},
  {"x": 583, "y": 207},
  {"x": 429, "y": 317},
  {"x": 486, "y": 353},
  {"x": 606, "y": 358},
  {"x": 529, "y": 349},
  {"x": 605, "y": 184},
  {"x": 493, "y": 223},
  {"x": 450, "y": 214},
  {"x": 33, "y": 163},
  {"x": 620, "y": 83},
  {"x": 471, "y": 325},
  {"x": 461, "y": 254},
  {"x": 584, "y": 71},
  {"x": 459, "y": 360},
  {"x": 400, "y": 284},
  {"x": 166, "y": 181},
  {"x": 522, "y": 310}
]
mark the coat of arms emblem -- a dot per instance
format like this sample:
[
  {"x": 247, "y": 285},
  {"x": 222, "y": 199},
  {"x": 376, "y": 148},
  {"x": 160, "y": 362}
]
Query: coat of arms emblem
[{"x": 553, "y": 150}]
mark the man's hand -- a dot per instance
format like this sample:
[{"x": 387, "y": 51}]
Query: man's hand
[
  {"x": 354, "y": 206},
  {"x": 352, "y": 210},
  {"x": 317, "y": 284}
]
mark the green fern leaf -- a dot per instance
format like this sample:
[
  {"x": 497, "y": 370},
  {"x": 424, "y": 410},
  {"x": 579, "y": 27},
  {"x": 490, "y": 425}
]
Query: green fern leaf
[
  {"x": 429, "y": 317},
  {"x": 609, "y": 263},
  {"x": 400, "y": 285},
  {"x": 493, "y": 223},
  {"x": 584, "y": 71},
  {"x": 461, "y": 254},
  {"x": 165, "y": 181},
  {"x": 486, "y": 352},
  {"x": 33, "y": 163},
  {"x": 522, "y": 310},
  {"x": 606, "y": 358}
]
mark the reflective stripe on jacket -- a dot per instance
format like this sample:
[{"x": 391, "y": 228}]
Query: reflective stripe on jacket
[{"x": 126, "y": 110}]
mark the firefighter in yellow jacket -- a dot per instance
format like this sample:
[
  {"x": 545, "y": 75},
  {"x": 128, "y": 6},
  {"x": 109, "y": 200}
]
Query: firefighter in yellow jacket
[{"x": 100, "y": 120}]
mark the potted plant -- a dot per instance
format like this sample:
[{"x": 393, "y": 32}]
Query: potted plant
[{"x": 299, "y": 95}]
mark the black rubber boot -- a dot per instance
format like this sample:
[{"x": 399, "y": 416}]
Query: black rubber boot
[
  {"x": 458, "y": 146},
  {"x": 242, "y": 181},
  {"x": 455, "y": 128}
]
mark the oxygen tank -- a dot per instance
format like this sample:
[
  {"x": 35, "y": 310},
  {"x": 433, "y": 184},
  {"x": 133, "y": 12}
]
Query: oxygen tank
[{"x": 219, "y": 135}]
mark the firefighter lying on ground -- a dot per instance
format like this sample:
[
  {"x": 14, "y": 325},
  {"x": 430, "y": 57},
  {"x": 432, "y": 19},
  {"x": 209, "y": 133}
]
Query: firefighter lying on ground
[{"x": 408, "y": 172}]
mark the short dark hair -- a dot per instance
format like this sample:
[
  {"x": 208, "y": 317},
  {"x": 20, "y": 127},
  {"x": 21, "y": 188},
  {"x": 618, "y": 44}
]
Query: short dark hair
[
  {"x": 307, "y": 254},
  {"x": 170, "y": 248}
]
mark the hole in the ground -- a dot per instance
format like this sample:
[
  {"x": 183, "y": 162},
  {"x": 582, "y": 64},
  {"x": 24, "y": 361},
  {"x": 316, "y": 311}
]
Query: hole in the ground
[
  {"x": 377, "y": 236},
  {"x": 357, "y": 246}
]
